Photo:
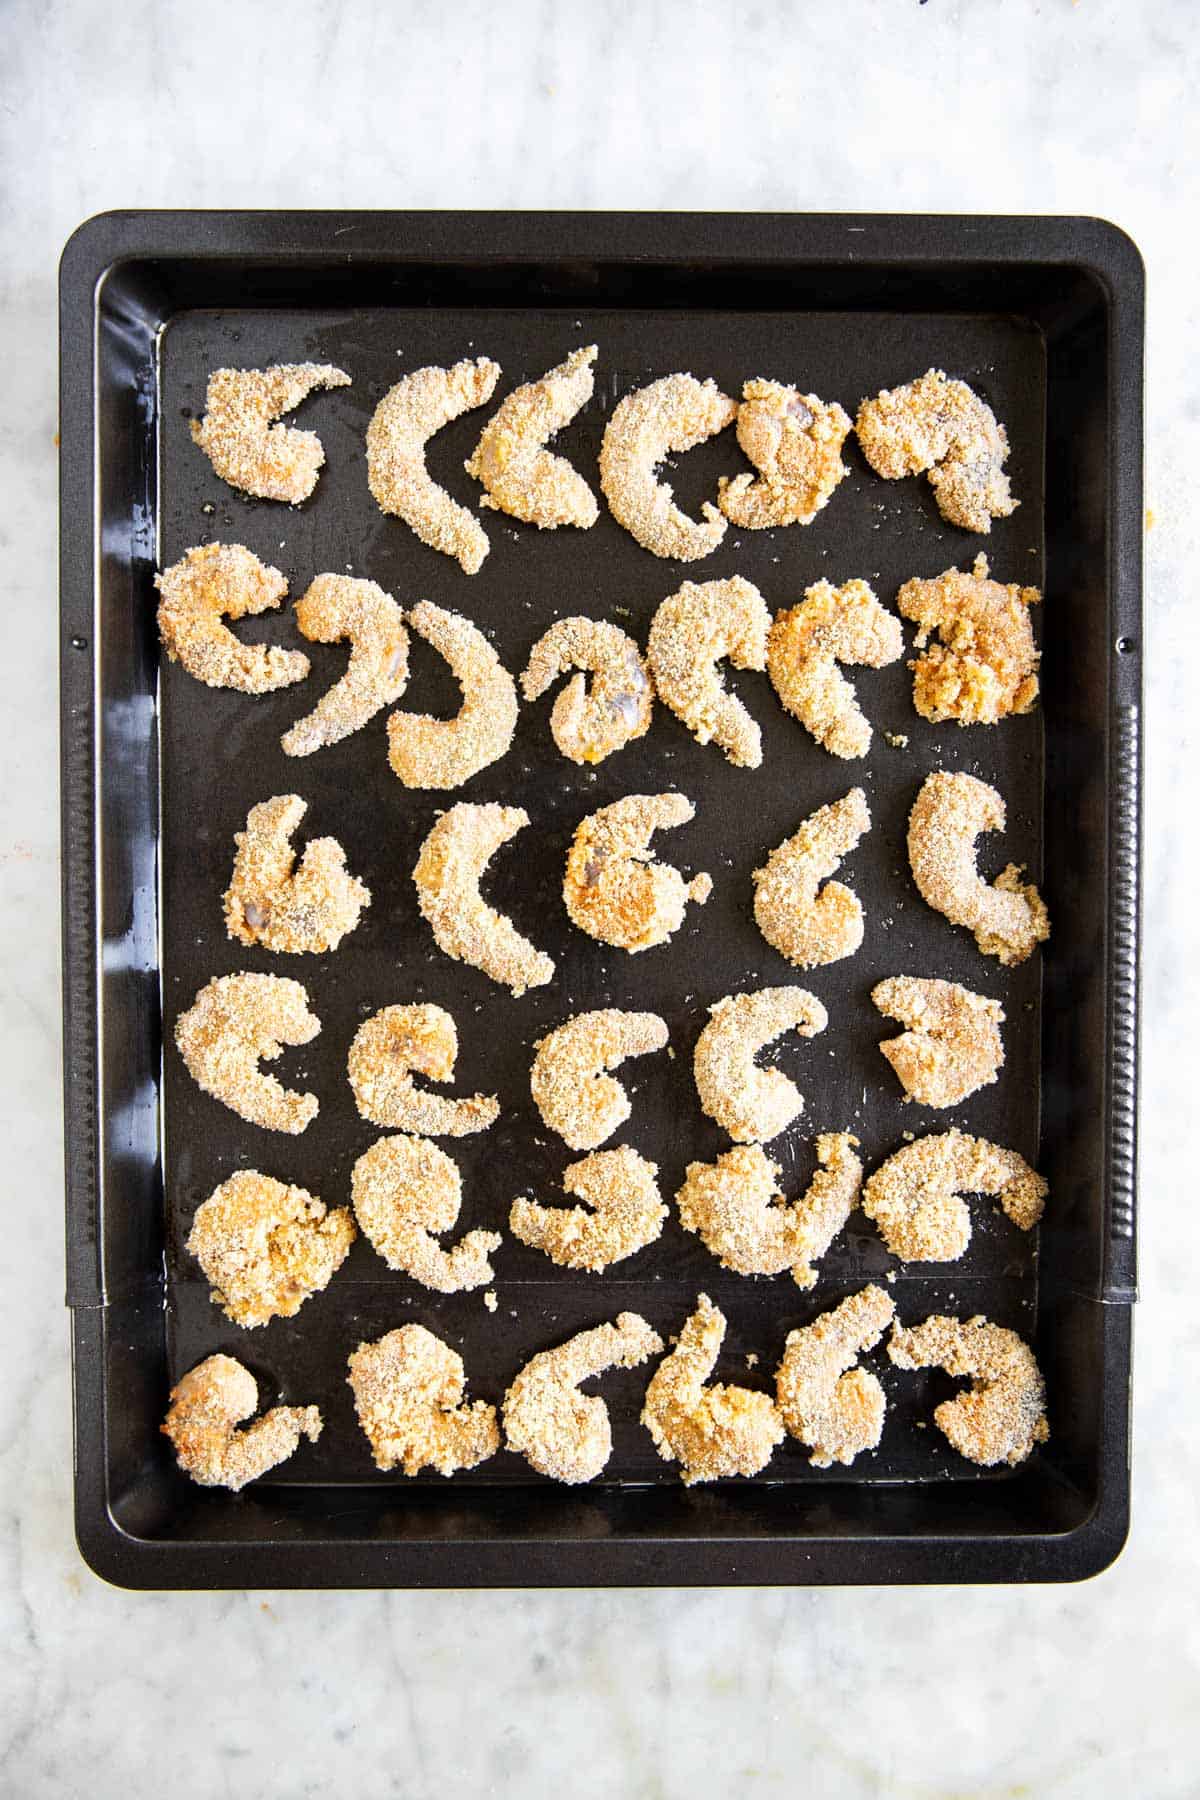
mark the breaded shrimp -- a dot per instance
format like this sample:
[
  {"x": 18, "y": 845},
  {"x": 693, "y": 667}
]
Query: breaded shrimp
[
  {"x": 952, "y": 1046},
  {"x": 914, "y": 1197},
  {"x": 614, "y": 889},
  {"x": 626, "y": 1212},
  {"x": 338, "y": 607},
  {"x": 569, "y": 1087},
  {"x": 748, "y": 1102},
  {"x": 1003, "y": 1414},
  {"x": 387, "y": 1049},
  {"x": 560, "y": 1432},
  {"x": 831, "y": 626},
  {"x": 443, "y": 753},
  {"x": 827, "y": 1401},
  {"x": 588, "y": 725},
  {"x": 208, "y": 585},
  {"x": 985, "y": 665},
  {"x": 235, "y": 1023},
  {"x": 942, "y": 426},
  {"x": 405, "y": 419},
  {"x": 208, "y": 1405},
  {"x": 808, "y": 923},
  {"x": 280, "y": 905},
  {"x": 714, "y": 1431},
  {"x": 735, "y": 1208},
  {"x": 795, "y": 442},
  {"x": 520, "y": 475},
  {"x": 265, "y": 1247},
  {"x": 1008, "y": 916},
  {"x": 404, "y": 1189},
  {"x": 689, "y": 635},
  {"x": 244, "y": 446},
  {"x": 408, "y": 1394},
  {"x": 673, "y": 414},
  {"x": 453, "y": 858}
]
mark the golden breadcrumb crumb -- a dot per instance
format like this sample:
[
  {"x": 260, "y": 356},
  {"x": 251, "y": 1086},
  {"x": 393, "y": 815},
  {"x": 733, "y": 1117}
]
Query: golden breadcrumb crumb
[
  {"x": 985, "y": 664},
  {"x": 712, "y": 1432},
  {"x": 1008, "y": 916},
  {"x": 674, "y": 414},
  {"x": 942, "y": 426},
  {"x": 404, "y": 1189},
  {"x": 337, "y": 608},
  {"x": 560, "y": 1432},
  {"x": 748, "y": 1102},
  {"x": 952, "y": 1046},
  {"x": 735, "y": 1208},
  {"x": 208, "y": 585},
  {"x": 795, "y": 442},
  {"x": 402, "y": 424},
  {"x": 235, "y": 1023},
  {"x": 588, "y": 725},
  {"x": 388, "y": 1049},
  {"x": 273, "y": 901},
  {"x": 265, "y": 1247},
  {"x": 245, "y": 447},
  {"x": 808, "y": 923},
  {"x": 452, "y": 861},
  {"x": 614, "y": 889},
  {"x": 1003, "y": 1414},
  {"x": 689, "y": 635},
  {"x": 521, "y": 476},
  {"x": 827, "y": 1402},
  {"x": 626, "y": 1212},
  {"x": 570, "y": 1089},
  {"x": 208, "y": 1405},
  {"x": 408, "y": 1394},
  {"x": 443, "y": 753},
  {"x": 805, "y": 646},
  {"x": 914, "y": 1197}
]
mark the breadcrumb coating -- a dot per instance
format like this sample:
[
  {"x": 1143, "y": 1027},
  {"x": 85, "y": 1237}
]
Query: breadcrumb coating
[
  {"x": 952, "y": 1046},
  {"x": 712, "y": 1432},
  {"x": 560, "y": 1432},
  {"x": 671, "y": 415},
  {"x": 588, "y": 725},
  {"x": 216, "y": 582},
  {"x": 985, "y": 665},
  {"x": 265, "y": 1247},
  {"x": 944, "y": 427},
  {"x": 827, "y": 1401},
  {"x": 452, "y": 861},
  {"x": 208, "y": 1405},
  {"x": 404, "y": 1189},
  {"x": 444, "y": 753},
  {"x": 336, "y": 608},
  {"x": 831, "y": 625},
  {"x": 915, "y": 1196},
  {"x": 1008, "y": 916},
  {"x": 689, "y": 635},
  {"x": 235, "y": 1023},
  {"x": 245, "y": 447},
  {"x": 521, "y": 476},
  {"x": 1003, "y": 1414},
  {"x": 626, "y": 1212},
  {"x": 408, "y": 1393},
  {"x": 750, "y": 1103},
  {"x": 806, "y": 922},
  {"x": 614, "y": 889},
  {"x": 402, "y": 424},
  {"x": 795, "y": 442},
  {"x": 735, "y": 1208},
  {"x": 570, "y": 1088},
  {"x": 272, "y": 901},
  {"x": 388, "y": 1049}
]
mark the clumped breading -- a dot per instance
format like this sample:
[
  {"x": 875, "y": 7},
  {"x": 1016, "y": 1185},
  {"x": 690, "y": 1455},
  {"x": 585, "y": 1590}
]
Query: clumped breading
[
  {"x": 1008, "y": 916},
  {"x": 443, "y": 753},
  {"x": 614, "y": 889},
  {"x": 560, "y": 1432},
  {"x": 915, "y": 1196},
  {"x": 245, "y": 447},
  {"x": 626, "y": 1212},
  {"x": 570, "y": 1088},
  {"x": 829, "y": 1403},
  {"x": 402, "y": 424},
  {"x": 388, "y": 1049},
  {"x": 945, "y": 427},
  {"x": 806, "y": 922},
  {"x": 235, "y": 1023},
  {"x": 689, "y": 634},
  {"x": 735, "y": 1208},
  {"x": 206, "y": 1408},
  {"x": 265, "y": 1247},
  {"x": 750, "y": 1103},
  {"x": 831, "y": 625},
  {"x": 716, "y": 1431},
  {"x": 521, "y": 476},
  {"x": 589, "y": 724},
  {"x": 404, "y": 1189},
  {"x": 1003, "y": 1414},
  {"x": 208, "y": 585},
  {"x": 985, "y": 665},
  {"x": 952, "y": 1046},
  {"x": 671, "y": 415},
  {"x": 795, "y": 442},
  {"x": 273, "y": 901},
  {"x": 337, "y": 608},
  {"x": 408, "y": 1393},
  {"x": 452, "y": 861}
]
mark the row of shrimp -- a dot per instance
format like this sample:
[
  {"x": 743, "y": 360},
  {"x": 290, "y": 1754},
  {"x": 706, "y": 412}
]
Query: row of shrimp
[
  {"x": 409, "y": 1393},
  {"x": 794, "y": 441}
]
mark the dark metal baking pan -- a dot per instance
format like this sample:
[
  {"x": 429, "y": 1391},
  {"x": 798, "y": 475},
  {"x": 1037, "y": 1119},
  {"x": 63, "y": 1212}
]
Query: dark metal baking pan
[{"x": 1045, "y": 318}]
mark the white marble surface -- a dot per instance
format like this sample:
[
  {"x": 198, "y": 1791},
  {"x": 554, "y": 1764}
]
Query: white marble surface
[{"x": 991, "y": 105}]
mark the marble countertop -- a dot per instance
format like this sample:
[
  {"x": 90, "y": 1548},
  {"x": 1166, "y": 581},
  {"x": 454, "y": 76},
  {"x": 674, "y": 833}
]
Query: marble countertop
[{"x": 989, "y": 107}]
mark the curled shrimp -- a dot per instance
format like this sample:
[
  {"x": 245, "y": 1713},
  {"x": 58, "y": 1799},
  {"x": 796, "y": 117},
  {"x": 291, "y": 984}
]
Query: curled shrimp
[
  {"x": 197, "y": 594},
  {"x": 233, "y": 1024},
  {"x": 245, "y": 447},
  {"x": 387, "y": 1049},
  {"x": 570, "y": 1088},
  {"x": 560, "y": 1432},
  {"x": 265, "y": 1247},
  {"x": 735, "y": 1208},
  {"x": 952, "y": 1046},
  {"x": 443, "y": 753},
  {"x": 673, "y": 414},
  {"x": 521, "y": 476},
  {"x": 206, "y": 1408},
  {"x": 452, "y": 861},
  {"x": 915, "y": 1196},
  {"x": 829, "y": 1403},
  {"x": 614, "y": 890},
  {"x": 621, "y": 1214},
  {"x": 404, "y": 1189},
  {"x": 689, "y": 635},
  {"x": 337, "y": 607},
  {"x": 274, "y": 901},
  {"x": 795, "y": 442},
  {"x": 405, "y": 419},
  {"x": 810, "y": 924},
  {"x": 1007, "y": 916},
  {"x": 712, "y": 1431},
  {"x": 748, "y": 1102},
  {"x": 408, "y": 1393},
  {"x": 588, "y": 725},
  {"x": 830, "y": 626},
  {"x": 1003, "y": 1414},
  {"x": 944, "y": 427}
]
